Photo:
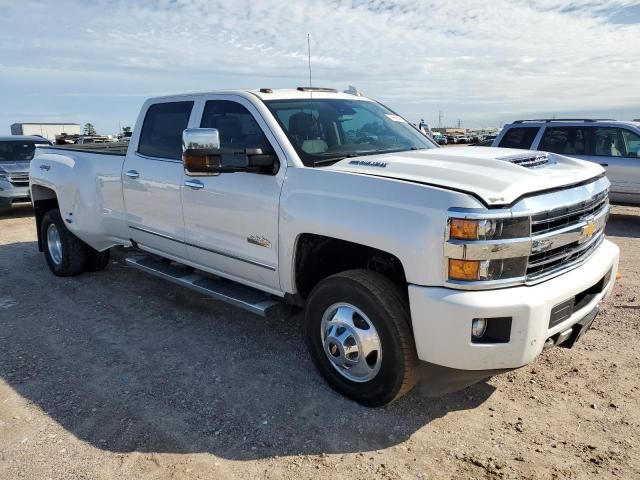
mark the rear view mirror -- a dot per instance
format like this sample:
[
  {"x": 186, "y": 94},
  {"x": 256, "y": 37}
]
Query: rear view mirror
[{"x": 202, "y": 155}]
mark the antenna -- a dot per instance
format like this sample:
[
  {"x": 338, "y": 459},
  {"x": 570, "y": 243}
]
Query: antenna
[{"x": 309, "y": 56}]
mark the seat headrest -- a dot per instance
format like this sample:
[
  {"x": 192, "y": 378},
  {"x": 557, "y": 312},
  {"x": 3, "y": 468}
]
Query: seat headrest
[{"x": 301, "y": 124}]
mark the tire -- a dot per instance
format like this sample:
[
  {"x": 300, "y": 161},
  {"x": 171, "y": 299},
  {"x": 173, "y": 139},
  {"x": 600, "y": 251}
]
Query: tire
[
  {"x": 67, "y": 257},
  {"x": 377, "y": 308},
  {"x": 96, "y": 260},
  {"x": 5, "y": 207}
]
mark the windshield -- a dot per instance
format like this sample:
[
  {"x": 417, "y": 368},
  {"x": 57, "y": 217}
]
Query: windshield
[
  {"x": 324, "y": 131},
  {"x": 18, "y": 150}
]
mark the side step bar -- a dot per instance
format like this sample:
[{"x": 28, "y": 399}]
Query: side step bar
[{"x": 241, "y": 296}]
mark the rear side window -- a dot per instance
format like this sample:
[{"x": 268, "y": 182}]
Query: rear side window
[
  {"x": 161, "y": 134},
  {"x": 519, "y": 137},
  {"x": 565, "y": 140}
]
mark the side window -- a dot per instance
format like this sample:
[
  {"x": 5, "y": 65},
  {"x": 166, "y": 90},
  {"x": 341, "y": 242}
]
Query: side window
[
  {"x": 519, "y": 137},
  {"x": 631, "y": 143},
  {"x": 565, "y": 140},
  {"x": 608, "y": 142},
  {"x": 236, "y": 125},
  {"x": 305, "y": 128},
  {"x": 161, "y": 134}
]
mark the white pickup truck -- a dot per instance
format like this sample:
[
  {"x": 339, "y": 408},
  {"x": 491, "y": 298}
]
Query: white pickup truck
[{"x": 466, "y": 261}]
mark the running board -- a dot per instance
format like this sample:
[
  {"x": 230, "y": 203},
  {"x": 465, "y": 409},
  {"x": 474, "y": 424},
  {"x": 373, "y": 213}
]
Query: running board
[{"x": 247, "y": 298}]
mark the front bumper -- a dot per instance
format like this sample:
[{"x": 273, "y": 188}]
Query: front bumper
[
  {"x": 442, "y": 317},
  {"x": 10, "y": 193}
]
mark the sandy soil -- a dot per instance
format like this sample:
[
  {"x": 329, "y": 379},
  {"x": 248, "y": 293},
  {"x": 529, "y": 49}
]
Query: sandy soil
[{"x": 120, "y": 375}]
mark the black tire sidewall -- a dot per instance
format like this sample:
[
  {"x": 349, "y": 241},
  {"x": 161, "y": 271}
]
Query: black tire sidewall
[
  {"x": 383, "y": 388},
  {"x": 97, "y": 261},
  {"x": 73, "y": 251}
]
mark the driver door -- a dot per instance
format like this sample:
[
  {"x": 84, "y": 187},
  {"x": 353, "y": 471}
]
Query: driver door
[{"x": 231, "y": 219}]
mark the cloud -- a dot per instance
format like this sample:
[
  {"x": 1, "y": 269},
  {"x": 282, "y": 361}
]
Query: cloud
[{"x": 479, "y": 60}]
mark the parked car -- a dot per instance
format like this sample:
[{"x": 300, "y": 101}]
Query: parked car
[
  {"x": 440, "y": 139},
  {"x": 613, "y": 144},
  {"x": 462, "y": 261},
  {"x": 16, "y": 152},
  {"x": 484, "y": 143},
  {"x": 452, "y": 139},
  {"x": 93, "y": 139}
]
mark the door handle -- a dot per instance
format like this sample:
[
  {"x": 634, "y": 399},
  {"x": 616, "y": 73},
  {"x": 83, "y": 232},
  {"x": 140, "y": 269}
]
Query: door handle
[
  {"x": 132, "y": 174},
  {"x": 194, "y": 184}
]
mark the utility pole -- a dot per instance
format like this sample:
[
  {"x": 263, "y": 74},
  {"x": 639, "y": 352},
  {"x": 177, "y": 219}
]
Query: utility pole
[
  {"x": 459, "y": 123},
  {"x": 440, "y": 118}
]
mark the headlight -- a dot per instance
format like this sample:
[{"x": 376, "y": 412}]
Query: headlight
[
  {"x": 487, "y": 251},
  {"x": 488, "y": 229}
]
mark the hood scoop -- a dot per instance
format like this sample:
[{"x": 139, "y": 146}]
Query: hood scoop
[{"x": 528, "y": 160}]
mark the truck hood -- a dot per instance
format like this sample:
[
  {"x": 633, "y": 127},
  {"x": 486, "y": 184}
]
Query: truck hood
[
  {"x": 496, "y": 175},
  {"x": 14, "y": 167}
]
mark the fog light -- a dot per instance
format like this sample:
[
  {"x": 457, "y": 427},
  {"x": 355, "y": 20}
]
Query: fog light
[{"x": 478, "y": 327}]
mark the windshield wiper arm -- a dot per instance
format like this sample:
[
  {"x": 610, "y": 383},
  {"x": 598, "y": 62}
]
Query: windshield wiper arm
[{"x": 326, "y": 161}]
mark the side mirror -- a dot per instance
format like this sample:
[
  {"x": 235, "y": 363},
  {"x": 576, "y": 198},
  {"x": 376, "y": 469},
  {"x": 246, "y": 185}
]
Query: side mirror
[
  {"x": 202, "y": 155},
  {"x": 201, "y": 152}
]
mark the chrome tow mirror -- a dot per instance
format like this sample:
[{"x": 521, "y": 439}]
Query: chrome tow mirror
[
  {"x": 201, "y": 152},
  {"x": 202, "y": 155}
]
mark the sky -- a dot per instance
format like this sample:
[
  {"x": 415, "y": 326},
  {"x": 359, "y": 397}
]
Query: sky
[{"x": 484, "y": 62}]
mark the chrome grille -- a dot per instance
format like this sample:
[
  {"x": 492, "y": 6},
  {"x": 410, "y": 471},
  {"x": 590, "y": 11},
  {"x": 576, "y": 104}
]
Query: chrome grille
[
  {"x": 570, "y": 234},
  {"x": 19, "y": 180},
  {"x": 562, "y": 217}
]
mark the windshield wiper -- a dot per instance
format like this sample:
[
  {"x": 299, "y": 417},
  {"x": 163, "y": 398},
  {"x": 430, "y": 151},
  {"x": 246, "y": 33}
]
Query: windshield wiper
[{"x": 326, "y": 161}]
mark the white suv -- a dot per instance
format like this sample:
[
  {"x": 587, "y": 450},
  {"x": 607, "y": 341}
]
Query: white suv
[{"x": 613, "y": 144}]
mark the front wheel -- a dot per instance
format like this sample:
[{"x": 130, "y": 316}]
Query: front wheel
[
  {"x": 357, "y": 331},
  {"x": 66, "y": 254}
]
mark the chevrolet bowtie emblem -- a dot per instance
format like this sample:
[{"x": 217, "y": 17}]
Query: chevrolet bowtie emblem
[{"x": 588, "y": 230}]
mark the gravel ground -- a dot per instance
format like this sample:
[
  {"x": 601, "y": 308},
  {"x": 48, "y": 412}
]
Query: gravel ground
[{"x": 121, "y": 375}]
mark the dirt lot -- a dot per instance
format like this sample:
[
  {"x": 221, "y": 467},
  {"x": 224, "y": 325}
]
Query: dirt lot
[{"x": 120, "y": 375}]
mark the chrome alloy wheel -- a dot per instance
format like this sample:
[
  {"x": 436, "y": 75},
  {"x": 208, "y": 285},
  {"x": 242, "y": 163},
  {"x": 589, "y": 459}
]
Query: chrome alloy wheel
[
  {"x": 351, "y": 342},
  {"x": 54, "y": 244}
]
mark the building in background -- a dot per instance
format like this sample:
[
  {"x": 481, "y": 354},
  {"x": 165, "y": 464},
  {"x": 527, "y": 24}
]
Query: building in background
[{"x": 46, "y": 130}]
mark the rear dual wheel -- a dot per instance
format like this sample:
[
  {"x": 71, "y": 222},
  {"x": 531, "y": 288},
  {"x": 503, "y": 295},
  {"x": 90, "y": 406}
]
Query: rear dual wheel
[
  {"x": 65, "y": 253},
  {"x": 357, "y": 331}
]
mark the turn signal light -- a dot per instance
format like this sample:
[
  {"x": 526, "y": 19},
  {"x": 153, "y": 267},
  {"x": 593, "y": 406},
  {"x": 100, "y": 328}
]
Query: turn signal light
[
  {"x": 464, "y": 269},
  {"x": 464, "y": 229}
]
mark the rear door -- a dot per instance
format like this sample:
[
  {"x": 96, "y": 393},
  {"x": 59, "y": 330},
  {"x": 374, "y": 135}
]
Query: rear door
[
  {"x": 617, "y": 150},
  {"x": 152, "y": 177},
  {"x": 231, "y": 220}
]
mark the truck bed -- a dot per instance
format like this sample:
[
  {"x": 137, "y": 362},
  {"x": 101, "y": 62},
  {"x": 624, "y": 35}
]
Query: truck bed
[{"x": 115, "y": 148}]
